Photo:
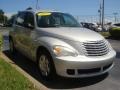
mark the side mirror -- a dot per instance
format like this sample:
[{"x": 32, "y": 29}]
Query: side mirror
[
  {"x": 20, "y": 20},
  {"x": 29, "y": 25}
]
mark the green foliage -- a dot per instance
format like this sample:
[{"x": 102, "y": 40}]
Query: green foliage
[
  {"x": 105, "y": 34},
  {"x": 10, "y": 79},
  {"x": 115, "y": 29},
  {"x": 1, "y": 41},
  {"x": 3, "y": 18},
  {"x": 115, "y": 32},
  {"x": 11, "y": 20},
  {"x": 1, "y": 11}
]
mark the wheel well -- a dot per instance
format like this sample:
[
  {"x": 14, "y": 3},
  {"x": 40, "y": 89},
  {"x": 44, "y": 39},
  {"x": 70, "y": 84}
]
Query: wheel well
[{"x": 41, "y": 49}]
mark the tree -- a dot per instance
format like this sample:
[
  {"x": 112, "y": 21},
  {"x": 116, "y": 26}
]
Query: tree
[
  {"x": 11, "y": 20},
  {"x": 3, "y": 18},
  {"x": 1, "y": 12}
]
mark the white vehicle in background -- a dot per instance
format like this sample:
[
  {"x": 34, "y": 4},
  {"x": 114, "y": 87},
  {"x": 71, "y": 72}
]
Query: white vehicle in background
[
  {"x": 99, "y": 28},
  {"x": 1, "y": 24},
  {"x": 116, "y": 25}
]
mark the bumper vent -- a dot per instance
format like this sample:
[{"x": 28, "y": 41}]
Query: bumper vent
[
  {"x": 98, "y": 48},
  {"x": 94, "y": 70}
]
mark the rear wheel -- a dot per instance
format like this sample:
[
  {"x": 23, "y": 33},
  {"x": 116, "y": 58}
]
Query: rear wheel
[
  {"x": 11, "y": 46},
  {"x": 46, "y": 66}
]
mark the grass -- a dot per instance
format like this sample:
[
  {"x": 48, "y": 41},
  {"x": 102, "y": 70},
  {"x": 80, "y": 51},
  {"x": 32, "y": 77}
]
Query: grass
[
  {"x": 105, "y": 34},
  {"x": 115, "y": 32},
  {"x": 11, "y": 79},
  {"x": 116, "y": 28}
]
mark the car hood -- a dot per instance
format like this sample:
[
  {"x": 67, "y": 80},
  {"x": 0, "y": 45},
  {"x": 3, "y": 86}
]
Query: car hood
[{"x": 76, "y": 34}]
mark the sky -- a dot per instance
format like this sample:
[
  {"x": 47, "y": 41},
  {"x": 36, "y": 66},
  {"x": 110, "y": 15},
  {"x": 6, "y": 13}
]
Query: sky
[{"x": 75, "y": 7}]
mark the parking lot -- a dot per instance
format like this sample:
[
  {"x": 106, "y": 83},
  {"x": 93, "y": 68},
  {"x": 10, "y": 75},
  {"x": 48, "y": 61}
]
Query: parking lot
[{"x": 109, "y": 81}]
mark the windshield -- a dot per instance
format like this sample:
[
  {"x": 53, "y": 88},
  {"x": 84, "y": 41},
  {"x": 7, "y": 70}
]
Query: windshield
[{"x": 56, "y": 20}]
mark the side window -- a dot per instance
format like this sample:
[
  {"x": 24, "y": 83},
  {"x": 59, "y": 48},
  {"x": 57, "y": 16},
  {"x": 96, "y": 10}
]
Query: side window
[
  {"x": 68, "y": 20},
  {"x": 20, "y": 19},
  {"x": 29, "y": 20}
]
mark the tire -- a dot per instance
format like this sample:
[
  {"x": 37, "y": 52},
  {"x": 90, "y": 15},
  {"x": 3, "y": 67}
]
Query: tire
[
  {"x": 12, "y": 47},
  {"x": 46, "y": 65}
]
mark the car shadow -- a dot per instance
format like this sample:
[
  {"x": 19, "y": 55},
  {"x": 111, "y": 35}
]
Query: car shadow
[{"x": 59, "y": 82}]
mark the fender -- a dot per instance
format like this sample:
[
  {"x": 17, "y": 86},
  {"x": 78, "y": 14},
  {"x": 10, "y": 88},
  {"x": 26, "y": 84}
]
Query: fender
[{"x": 50, "y": 42}]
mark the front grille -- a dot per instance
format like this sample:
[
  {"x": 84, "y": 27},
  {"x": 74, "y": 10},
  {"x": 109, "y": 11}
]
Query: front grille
[{"x": 95, "y": 48}]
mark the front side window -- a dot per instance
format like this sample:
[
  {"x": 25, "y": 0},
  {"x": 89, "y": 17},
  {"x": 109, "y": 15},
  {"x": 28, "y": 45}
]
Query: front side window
[
  {"x": 20, "y": 19},
  {"x": 25, "y": 19},
  {"x": 29, "y": 19},
  {"x": 56, "y": 20}
]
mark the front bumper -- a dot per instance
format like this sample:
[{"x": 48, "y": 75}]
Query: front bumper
[{"x": 83, "y": 66}]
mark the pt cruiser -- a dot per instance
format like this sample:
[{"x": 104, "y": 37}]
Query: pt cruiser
[{"x": 59, "y": 45}]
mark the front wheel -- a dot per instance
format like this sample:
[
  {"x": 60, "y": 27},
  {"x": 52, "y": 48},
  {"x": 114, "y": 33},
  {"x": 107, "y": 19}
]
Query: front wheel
[{"x": 46, "y": 66}]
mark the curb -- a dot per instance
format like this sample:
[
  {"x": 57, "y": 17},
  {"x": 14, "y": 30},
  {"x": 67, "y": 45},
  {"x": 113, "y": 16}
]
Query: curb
[{"x": 36, "y": 83}]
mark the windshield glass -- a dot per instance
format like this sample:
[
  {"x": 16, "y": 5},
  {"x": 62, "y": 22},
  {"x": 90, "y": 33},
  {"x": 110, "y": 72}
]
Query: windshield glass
[{"x": 56, "y": 19}]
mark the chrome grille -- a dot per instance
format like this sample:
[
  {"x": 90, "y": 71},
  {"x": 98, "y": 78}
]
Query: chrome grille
[{"x": 95, "y": 48}]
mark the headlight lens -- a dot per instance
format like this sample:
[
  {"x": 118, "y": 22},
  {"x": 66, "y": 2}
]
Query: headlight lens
[{"x": 64, "y": 51}]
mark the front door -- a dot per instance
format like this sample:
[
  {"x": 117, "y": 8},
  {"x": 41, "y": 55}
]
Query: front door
[
  {"x": 27, "y": 35},
  {"x": 24, "y": 33}
]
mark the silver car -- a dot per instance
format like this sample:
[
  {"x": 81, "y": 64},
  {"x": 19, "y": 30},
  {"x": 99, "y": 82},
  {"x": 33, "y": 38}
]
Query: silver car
[{"x": 59, "y": 45}]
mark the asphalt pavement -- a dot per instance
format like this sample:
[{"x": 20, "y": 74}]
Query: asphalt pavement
[{"x": 108, "y": 81}]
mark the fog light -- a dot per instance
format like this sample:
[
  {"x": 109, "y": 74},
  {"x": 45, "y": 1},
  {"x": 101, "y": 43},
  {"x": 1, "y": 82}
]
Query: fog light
[{"x": 70, "y": 71}]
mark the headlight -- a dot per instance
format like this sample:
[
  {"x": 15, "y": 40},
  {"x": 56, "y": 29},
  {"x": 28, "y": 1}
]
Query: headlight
[{"x": 64, "y": 51}]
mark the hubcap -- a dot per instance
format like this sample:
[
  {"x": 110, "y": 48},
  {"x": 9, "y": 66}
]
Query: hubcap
[{"x": 44, "y": 65}]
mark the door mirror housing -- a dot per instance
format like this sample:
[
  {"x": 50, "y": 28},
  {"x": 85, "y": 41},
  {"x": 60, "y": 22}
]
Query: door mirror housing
[{"x": 29, "y": 25}]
